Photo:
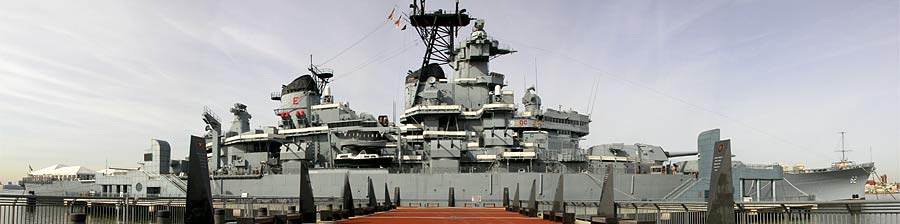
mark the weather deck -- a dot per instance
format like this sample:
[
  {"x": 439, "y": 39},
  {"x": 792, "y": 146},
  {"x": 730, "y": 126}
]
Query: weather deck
[{"x": 446, "y": 215}]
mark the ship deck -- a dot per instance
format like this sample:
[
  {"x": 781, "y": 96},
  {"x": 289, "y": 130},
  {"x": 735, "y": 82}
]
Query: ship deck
[{"x": 405, "y": 215}]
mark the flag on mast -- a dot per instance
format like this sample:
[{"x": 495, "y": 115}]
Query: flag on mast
[{"x": 398, "y": 22}]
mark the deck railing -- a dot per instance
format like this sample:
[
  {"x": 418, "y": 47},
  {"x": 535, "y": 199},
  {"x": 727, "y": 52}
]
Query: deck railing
[{"x": 807, "y": 212}]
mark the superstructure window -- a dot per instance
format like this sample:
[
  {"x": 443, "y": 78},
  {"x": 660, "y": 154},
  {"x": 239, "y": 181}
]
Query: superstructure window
[{"x": 148, "y": 157}]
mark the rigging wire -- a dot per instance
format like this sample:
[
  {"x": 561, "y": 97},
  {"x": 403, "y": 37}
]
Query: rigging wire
[
  {"x": 594, "y": 90},
  {"x": 364, "y": 37},
  {"x": 660, "y": 93},
  {"x": 377, "y": 59}
]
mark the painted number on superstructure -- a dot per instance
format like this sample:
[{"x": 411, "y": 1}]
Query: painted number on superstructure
[{"x": 296, "y": 100}]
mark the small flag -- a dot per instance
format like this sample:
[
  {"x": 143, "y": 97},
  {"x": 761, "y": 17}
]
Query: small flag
[
  {"x": 399, "y": 18},
  {"x": 29, "y": 168},
  {"x": 391, "y": 16}
]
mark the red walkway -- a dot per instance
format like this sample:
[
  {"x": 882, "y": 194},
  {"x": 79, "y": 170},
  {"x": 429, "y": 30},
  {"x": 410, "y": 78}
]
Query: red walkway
[{"x": 445, "y": 215}]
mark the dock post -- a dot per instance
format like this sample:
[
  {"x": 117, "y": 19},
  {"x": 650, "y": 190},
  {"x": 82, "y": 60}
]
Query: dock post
[
  {"x": 307, "y": 199},
  {"x": 372, "y": 207},
  {"x": 506, "y": 197},
  {"x": 532, "y": 200},
  {"x": 347, "y": 196},
  {"x": 387, "y": 198},
  {"x": 516, "y": 204},
  {"x": 451, "y": 202},
  {"x": 721, "y": 187},
  {"x": 198, "y": 196},
  {"x": 397, "y": 196}
]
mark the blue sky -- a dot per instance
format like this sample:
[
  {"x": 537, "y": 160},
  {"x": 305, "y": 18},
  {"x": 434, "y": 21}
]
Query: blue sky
[{"x": 86, "y": 83}]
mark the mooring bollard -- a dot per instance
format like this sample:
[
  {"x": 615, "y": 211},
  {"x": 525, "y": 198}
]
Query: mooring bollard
[
  {"x": 77, "y": 218},
  {"x": 163, "y": 217},
  {"x": 219, "y": 217}
]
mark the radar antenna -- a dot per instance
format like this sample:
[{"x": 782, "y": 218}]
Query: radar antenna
[
  {"x": 323, "y": 75},
  {"x": 843, "y": 150},
  {"x": 438, "y": 31}
]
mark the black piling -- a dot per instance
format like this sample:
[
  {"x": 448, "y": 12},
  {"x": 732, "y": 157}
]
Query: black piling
[
  {"x": 397, "y": 196},
  {"x": 606, "y": 210},
  {"x": 516, "y": 203},
  {"x": 198, "y": 206},
  {"x": 607, "y": 206},
  {"x": 348, "y": 198},
  {"x": 451, "y": 201},
  {"x": 558, "y": 212},
  {"x": 370, "y": 193},
  {"x": 387, "y": 198},
  {"x": 532, "y": 200},
  {"x": 558, "y": 205},
  {"x": 307, "y": 203},
  {"x": 505, "y": 197},
  {"x": 721, "y": 187}
]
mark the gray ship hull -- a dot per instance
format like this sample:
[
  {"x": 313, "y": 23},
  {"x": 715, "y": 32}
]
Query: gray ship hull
[
  {"x": 434, "y": 188},
  {"x": 833, "y": 184}
]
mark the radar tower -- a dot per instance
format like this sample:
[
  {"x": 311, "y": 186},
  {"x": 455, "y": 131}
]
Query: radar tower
[
  {"x": 438, "y": 31},
  {"x": 843, "y": 150}
]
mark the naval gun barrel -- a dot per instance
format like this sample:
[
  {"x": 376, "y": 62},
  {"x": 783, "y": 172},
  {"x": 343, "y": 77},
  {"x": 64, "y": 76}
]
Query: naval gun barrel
[{"x": 680, "y": 154}]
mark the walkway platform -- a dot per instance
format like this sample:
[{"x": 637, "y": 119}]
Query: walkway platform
[{"x": 411, "y": 215}]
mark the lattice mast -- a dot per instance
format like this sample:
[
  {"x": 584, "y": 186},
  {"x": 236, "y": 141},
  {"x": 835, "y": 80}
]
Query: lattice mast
[{"x": 438, "y": 31}]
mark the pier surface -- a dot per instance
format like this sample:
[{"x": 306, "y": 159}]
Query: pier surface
[{"x": 405, "y": 215}]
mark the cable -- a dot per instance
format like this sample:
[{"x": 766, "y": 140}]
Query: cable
[
  {"x": 355, "y": 43},
  {"x": 603, "y": 73},
  {"x": 375, "y": 60}
]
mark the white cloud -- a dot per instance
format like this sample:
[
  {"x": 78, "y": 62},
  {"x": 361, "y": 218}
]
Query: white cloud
[{"x": 81, "y": 83}]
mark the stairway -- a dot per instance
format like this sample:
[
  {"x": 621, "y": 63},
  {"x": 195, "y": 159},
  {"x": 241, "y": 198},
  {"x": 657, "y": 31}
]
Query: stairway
[
  {"x": 678, "y": 191},
  {"x": 180, "y": 184}
]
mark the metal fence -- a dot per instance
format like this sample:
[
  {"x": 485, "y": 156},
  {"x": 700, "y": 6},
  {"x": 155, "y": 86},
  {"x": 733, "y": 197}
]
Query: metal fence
[
  {"x": 805, "y": 212},
  {"x": 15, "y": 209},
  {"x": 56, "y": 209}
]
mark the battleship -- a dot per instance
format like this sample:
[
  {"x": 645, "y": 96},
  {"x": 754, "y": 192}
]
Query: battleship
[
  {"x": 461, "y": 129},
  {"x": 832, "y": 183}
]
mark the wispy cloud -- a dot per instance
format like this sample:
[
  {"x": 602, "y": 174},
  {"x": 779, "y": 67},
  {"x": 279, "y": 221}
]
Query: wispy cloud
[{"x": 79, "y": 80}]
